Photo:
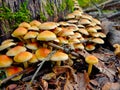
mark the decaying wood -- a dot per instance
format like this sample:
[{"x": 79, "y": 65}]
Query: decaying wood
[{"x": 105, "y": 5}]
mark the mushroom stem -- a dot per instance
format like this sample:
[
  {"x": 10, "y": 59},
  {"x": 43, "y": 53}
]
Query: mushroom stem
[
  {"x": 25, "y": 64},
  {"x": 90, "y": 69},
  {"x": 58, "y": 63}
]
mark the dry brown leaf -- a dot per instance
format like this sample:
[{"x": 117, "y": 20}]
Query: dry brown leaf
[
  {"x": 107, "y": 71},
  {"x": 111, "y": 86}
]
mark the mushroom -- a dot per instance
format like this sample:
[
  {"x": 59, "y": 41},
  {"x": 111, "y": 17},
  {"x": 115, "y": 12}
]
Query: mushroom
[
  {"x": 5, "y": 61},
  {"x": 117, "y": 49},
  {"x": 46, "y": 36},
  {"x": 6, "y": 45},
  {"x": 16, "y": 50},
  {"x": 23, "y": 57},
  {"x": 58, "y": 57},
  {"x": 65, "y": 32},
  {"x": 19, "y": 33},
  {"x": 48, "y": 25},
  {"x": 97, "y": 40},
  {"x": 35, "y": 23},
  {"x": 13, "y": 70},
  {"x": 83, "y": 31},
  {"x": 90, "y": 59},
  {"x": 7, "y": 40},
  {"x": 42, "y": 53},
  {"x": 24, "y": 25},
  {"x": 79, "y": 46},
  {"x": 32, "y": 46},
  {"x": 84, "y": 22},
  {"x": 33, "y": 59},
  {"x": 90, "y": 47},
  {"x": 31, "y": 35},
  {"x": 70, "y": 16}
]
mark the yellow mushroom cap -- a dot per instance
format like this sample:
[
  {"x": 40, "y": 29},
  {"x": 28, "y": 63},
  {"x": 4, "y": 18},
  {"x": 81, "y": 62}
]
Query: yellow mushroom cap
[
  {"x": 24, "y": 25},
  {"x": 90, "y": 47},
  {"x": 79, "y": 46},
  {"x": 91, "y": 30},
  {"x": 42, "y": 53},
  {"x": 96, "y": 21},
  {"x": 98, "y": 40},
  {"x": 72, "y": 21},
  {"x": 5, "y": 61},
  {"x": 33, "y": 28},
  {"x": 66, "y": 32},
  {"x": 6, "y": 45},
  {"x": 86, "y": 16},
  {"x": 63, "y": 23},
  {"x": 32, "y": 45},
  {"x": 83, "y": 31},
  {"x": 14, "y": 51},
  {"x": 48, "y": 25},
  {"x": 31, "y": 34},
  {"x": 20, "y": 31},
  {"x": 33, "y": 59},
  {"x": 91, "y": 59},
  {"x": 23, "y": 57},
  {"x": 59, "y": 56},
  {"x": 35, "y": 23},
  {"x": 7, "y": 40},
  {"x": 46, "y": 36},
  {"x": 117, "y": 49},
  {"x": 62, "y": 40},
  {"x": 13, "y": 70},
  {"x": 70, "y": 16},
  {"x": 84, "y": 21}
]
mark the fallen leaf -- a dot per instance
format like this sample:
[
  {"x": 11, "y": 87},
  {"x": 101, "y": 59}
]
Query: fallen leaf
[{"x": 111, "y": 86}]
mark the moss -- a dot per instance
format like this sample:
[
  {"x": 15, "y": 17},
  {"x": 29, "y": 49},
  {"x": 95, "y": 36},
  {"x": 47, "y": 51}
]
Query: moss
[
  {"x": 43, "y": 17},
  {"x": 14, "y": 18}
]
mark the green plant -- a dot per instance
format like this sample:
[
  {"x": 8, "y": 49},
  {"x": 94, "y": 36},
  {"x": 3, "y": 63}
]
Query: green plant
[
  {"x": 70, "y": 5},
  {"x": 49, "y": 8},
  {"x": 15, "y": 18},
  {"x": 42, "y": 17}
]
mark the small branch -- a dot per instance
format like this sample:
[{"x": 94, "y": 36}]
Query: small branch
[
  {"x": 41, "y": 64},
  {"x": 115, "y": 15},
  {"x": 15, "y": 75},
  {"x": 104, "y": 5},
  {"x": 67, "y": 51}
]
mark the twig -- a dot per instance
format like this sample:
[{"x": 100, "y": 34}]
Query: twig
[
  {"x": 102, "y": 5},
  {"x": 98, "y": 8},
  {"x": 114, "y": 15},
  {"x": 66, "y": 50},
  {"x": 15, "y": 75},
  {"x": 41, "y": 64}
]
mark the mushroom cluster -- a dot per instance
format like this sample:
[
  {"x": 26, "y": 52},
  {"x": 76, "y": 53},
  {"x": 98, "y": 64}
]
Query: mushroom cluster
[{"x": 79, "y": 31}]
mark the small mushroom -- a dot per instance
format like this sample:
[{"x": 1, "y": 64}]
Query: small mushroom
[
  {"x": 24, "y": 25},
  {"x": 23, "y": 57},
  {"x": 98, "y": 40},
  {"x": 15, "y": 50},
  {"x": 7, "y": 45},
  {"x": 91, "y": 59},
  {"x": 31, "y": 36},
  {"x": 5, "y": 61},
  {"x": 117, "y": 49},
  {"x": 35, "y": 23},
  {"x": 90, "y": 47},
  {"x": 42, "y": 53},
  {"x": 46, "y": 36},
  {"x": 13, "y": 70},
  {"x": 58, "y": 57},
  {"x": 48, "y": 25},
  {"x": 19, "y": 33},
  {"x": 7, "y": 40}
]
